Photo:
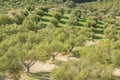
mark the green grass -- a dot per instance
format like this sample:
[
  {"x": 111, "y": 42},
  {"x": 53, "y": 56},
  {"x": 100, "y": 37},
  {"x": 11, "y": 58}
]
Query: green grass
[
  {"x": 99, "y": 31},
  {"x": 63, "y": 20}
]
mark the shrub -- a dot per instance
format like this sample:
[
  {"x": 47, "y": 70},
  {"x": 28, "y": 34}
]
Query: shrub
[
  {"x": 73, "y": 20},
  {"x": 92, "y": 18},
  {"x": 40, "y": 25},
  {"x": 61, "y": 10},
  {"x": 77, "y": 12},
  {"x": 54, "y": 21},
  {"x": 57, "y": 15},
  {"x": 4, "y": 19},
  {"x": 68, "y": 11},
  {"x": 92, "y": 24},
  {"x": 70, "y": 4},
  {"x": 39, "y": 12}
]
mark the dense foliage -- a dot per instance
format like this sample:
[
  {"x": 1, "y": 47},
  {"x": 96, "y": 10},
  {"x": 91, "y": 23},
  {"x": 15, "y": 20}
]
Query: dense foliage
[{"x": 40, "y": 30}]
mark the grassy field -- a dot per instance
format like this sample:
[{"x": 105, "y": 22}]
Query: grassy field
[{"x": 99, "y": 32}]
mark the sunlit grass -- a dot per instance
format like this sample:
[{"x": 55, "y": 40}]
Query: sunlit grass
[{"x": 99, "y": 31}]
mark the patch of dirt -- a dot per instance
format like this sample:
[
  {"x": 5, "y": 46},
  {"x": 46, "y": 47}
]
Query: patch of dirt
[
  {"x": 48, "y": 65},
  {"x": 91, "y": 43},
  {"x": 41, "y": 67},
  {"x": 116, "y": 72}
]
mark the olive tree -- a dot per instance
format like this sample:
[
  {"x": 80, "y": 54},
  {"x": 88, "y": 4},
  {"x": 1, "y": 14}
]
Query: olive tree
[
  {"x": 31, "y": 22},
  {"x": 73, "y": 20}
]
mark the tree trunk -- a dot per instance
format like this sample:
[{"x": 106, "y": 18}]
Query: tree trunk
[
  {"x": 53, "y": 57},
  {"x": 71, "y": 49},
  {"x": 28, "y": 69},
  {"x": 28, "y": 64}
]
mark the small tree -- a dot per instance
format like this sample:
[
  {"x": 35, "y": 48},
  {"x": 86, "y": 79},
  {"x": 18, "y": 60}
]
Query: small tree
[
  {"x": 92, "y": 18},
  {"x": 54, "y": 22},
  {"x": 39, "y": 12},
  {"x": 91, "y": 24},
  {"x": 31, "y": 22},
  {"x": 40, "y": 25},
  {"x": 54, "y": 48},
  {"x": 57, "y": 15},
  {"x": 70, "y": 4},
  {"x": 73, "y": 20},
  {"x": 77, "y": 12},
  {"x": 88, "y": 32}
]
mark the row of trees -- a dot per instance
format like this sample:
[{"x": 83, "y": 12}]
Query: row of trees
[
  {"x": 24, "y": 49},
  {"x": 24, "y": 39},
  {"x": 96, "y": 62}
]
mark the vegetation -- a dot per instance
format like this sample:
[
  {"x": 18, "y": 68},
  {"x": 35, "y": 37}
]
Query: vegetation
[{"x": 34, "y": 31}]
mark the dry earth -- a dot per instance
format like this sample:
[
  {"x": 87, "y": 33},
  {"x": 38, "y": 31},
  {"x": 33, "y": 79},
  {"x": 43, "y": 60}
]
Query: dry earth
[{"x": 48, "y": 66}]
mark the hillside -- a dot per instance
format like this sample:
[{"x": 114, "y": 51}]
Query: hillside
[{"x": 71, "y": 39}]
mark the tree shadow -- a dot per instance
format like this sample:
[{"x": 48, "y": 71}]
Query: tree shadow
[
  {"x": 40, "y": 75},
  {"x": 58, "y": 26},
  {"x": 101, "y": 27},
  {"x": 82, "y": 20},
  {"x": 118, "y": 28},
  {"x": 62, "y": 22},
  {"x": 100, "y": 23},
  {"x": 43, "y": 19},
  {"x": 97, "y": 37},
  {"x": 79, "y": 24},
  {"x": 48, "y": 15},
  {"x": 2, "y": 77},
  {"x": 65, "y": 17},
  {"x": 99, "y": 31}
]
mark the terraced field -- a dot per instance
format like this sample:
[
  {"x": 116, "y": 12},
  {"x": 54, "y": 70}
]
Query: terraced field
[{"x": 99, "y": 32}]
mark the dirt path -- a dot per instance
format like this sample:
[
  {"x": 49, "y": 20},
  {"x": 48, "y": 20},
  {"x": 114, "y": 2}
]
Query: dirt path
[
  {"x": 48, "y": 66},
  {"x": 41, "y": 67}
]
